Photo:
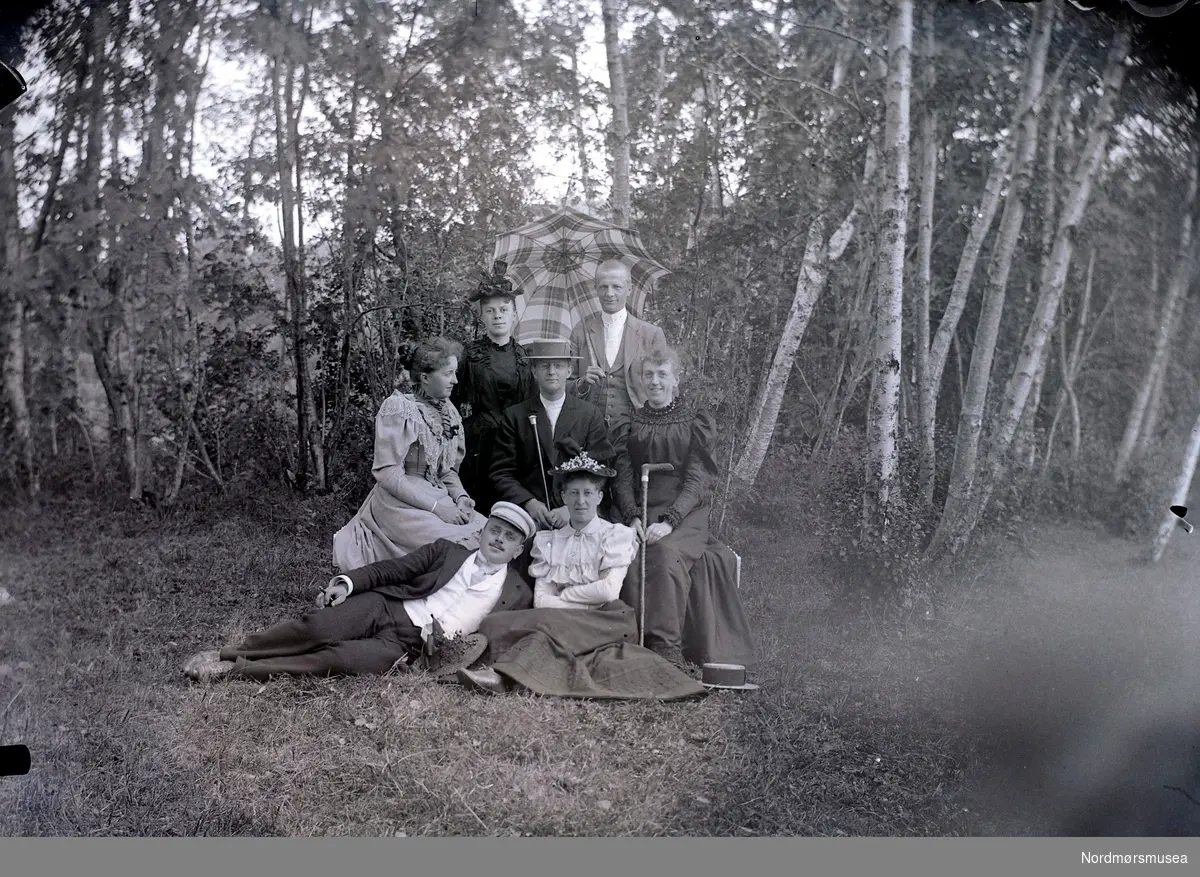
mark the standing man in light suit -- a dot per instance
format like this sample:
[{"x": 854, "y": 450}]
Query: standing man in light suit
[{"x": 609, "y": 348}]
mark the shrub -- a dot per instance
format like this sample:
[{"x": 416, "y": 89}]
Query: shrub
[{"x": 885, "y": 574}]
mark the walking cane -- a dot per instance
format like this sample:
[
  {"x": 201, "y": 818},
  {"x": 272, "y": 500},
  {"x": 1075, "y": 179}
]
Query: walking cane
[
  {"x": 541, "y": 462},
  {"x": 647, "y": 468}
]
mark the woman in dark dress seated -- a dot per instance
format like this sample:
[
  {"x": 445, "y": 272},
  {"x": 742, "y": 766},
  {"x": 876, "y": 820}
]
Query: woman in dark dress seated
[
  {"x": 693, "y": 613},
  {"x": 493, "y": 374}
]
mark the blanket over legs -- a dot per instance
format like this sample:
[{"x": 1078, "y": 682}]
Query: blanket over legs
[{"x": 584, "y": 653}]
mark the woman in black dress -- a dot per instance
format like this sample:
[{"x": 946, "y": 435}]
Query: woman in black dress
[
  {"x": 705, "y": 622},
  {"x": 493, "y": 374}
]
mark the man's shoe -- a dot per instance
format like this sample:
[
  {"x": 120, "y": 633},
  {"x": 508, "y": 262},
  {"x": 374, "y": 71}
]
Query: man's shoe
[
  {"x": 484, "y": 679},
  {"x": 207, "y": 667}
]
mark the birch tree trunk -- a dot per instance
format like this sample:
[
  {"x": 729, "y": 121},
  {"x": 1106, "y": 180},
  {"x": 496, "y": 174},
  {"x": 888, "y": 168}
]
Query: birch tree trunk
[
  {"x": 1033, "y": 347},
  {"x": 283, "y": 99},
  {"x": 970, "y": 423},
  {"x": 12, "y": 305},
  {"x": 618, "y": 100},
  {"x": 926, "y": 402},
  {"x": 316, "y": 422},
  {"x": 1179, "y": 493},
  {"x": 883, "y": 410},
  {"x": 581, "y": 144},
  {"x": 814, "y": 271},
  {"x": 1177, "y": 288},
  {"x": 1154, "y": 409},
  {"x": 1071, "y": 364},
  {"x": 981, "y": 224},
  {"x": 1026, "y": 441}
]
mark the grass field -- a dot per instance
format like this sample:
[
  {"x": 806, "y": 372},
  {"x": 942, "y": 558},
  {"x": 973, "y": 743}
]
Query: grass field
[{"x": 860, "y": 727}]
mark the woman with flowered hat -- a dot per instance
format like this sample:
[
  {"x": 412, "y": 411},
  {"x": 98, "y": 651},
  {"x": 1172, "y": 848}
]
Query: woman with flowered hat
[
  {"x": 494, "y": 373},
  {"x": 580, "y": 639}
]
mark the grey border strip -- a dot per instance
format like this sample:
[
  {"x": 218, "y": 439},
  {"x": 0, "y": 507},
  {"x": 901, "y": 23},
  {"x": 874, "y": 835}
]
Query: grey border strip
[{"x": 741, "y": 857}]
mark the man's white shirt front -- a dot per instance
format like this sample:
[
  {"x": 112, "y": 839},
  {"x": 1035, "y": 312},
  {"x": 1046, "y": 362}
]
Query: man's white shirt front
[
  {"x": 614, "y": 331},
  {"x": 553, "y": 409},
  {"x": 461, "y": 604}
]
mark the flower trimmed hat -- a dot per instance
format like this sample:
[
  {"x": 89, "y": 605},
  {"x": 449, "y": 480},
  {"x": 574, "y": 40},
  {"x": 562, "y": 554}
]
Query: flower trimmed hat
[
  {"x": 582, "y": 463},
  {"x": 494, "y": 285}
]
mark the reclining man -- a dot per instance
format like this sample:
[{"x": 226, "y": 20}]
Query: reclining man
[{"x": 422, "y": 609}]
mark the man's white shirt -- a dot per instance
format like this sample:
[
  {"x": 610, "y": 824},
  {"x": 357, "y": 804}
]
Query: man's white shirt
[
  {"x": 461, "y": 604},
  {"x": 553, "y": 409},
  {"x": 614, "y": 331}
]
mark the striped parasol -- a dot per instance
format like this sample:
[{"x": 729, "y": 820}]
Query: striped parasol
[{"x": 553, "y": 262}]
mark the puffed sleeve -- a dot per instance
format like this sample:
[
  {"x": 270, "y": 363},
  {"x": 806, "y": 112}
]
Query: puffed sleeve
[
  {"x": 700, "y": 469},
  {"x": 539, "y": 563},
  {"x": 619, "y": 546},
  {"x": 395, "y": 433}
]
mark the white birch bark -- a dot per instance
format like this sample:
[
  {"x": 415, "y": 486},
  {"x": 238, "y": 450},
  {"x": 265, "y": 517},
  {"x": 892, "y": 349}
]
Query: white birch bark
[
  {"x": 883, "y": 410},
  {"x": 620, "y": 122},
  {"x": 1179, "y": 493},
  {"x": 1078, "y": 196},
  {"x": 970, "y": 423},
  {"x": 819, "y": 253},
  {"x": 1034, "y": 345},
  {"x": 12, "y": 307},
  {"x": 1172, "y": 305},
  {"x": 1071, "y": 364},
  {"x": 981, "y": 224},
  {"x": 926, "y": 401},
  {"x": 1154, "y": 409}
]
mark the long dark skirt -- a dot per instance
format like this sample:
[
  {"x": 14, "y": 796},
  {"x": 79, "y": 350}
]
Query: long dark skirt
[
  {"x": 474, "y": 472},
  {"x": 585, "y": 653},
  {"x": 668, "y": 570},
  {"x": 692, "y": 600}
]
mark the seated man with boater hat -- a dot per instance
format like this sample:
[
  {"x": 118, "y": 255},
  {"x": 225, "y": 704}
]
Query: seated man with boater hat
[
  {"x": 418, "y": 611},
  {"x": 522, "y": 453}
]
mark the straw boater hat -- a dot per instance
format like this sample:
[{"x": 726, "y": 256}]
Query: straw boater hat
[
  {"x": 582, "y": 462},
  {"x": 726, "y": 676},
  {"x": 550, "y": 349},
  {"x": 494, "y": 285},
  {"x": 511, "y": 513}
]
